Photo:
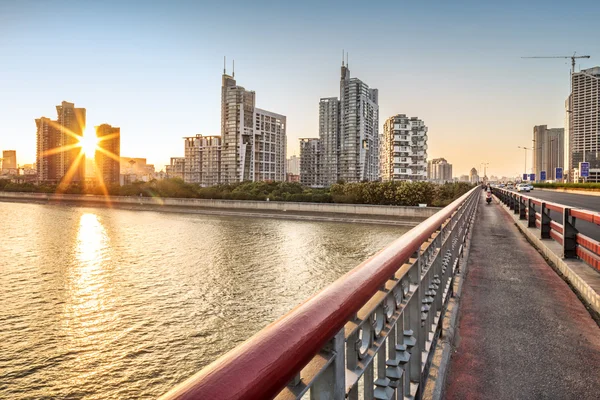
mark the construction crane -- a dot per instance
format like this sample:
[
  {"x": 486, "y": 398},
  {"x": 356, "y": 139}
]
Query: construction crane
[{"x": 573, "y": 57}]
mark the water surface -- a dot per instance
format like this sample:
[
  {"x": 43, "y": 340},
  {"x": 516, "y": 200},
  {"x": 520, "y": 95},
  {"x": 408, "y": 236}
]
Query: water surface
[{"x": 100, "y": 303}]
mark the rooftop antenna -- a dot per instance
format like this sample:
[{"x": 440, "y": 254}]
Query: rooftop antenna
[
  {"x": 347, "y": 63},
  {"x": 224, "y": 60},
  {"x": 233, "y": 73},
  {"x": 342, "y": 57}
]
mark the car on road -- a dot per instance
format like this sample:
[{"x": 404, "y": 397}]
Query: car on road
[{"x": 522, "y": 187}]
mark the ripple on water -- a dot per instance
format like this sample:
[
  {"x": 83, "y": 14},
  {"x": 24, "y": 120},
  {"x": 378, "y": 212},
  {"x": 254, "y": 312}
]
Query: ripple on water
[{"x": 101, "y": 303}]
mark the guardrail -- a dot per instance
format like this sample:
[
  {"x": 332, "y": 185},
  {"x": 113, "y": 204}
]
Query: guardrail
[
  {"x": 563, "y": 229},
  {"x": 372, "y": 331}
]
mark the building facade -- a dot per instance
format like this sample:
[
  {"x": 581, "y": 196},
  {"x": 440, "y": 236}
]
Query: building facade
[
  {"x": 548, "y": 150},
  {"x": 59, "y": 159},
  {"x": 202, "y": 160},
  {"x": 9, "y": 159},
  {"x": 293, "y": 165},
  {"x": 348, "y": 134},
  {"x": 583, "y": 123},
  {"x": 108, "y": 154},
  {"x": 473, "y": 176},
  {"x": 439, "y": 170},
  {"x": 404, "y": 149},
  {"x": 176, "y": 169},
  {"x": 311, "y": 159},
  {"x": 253, "y": 141}
]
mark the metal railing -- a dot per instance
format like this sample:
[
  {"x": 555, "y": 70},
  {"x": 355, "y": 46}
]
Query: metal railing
[
  {"x": 538, "y": 214},
  {"x": 370, "y": 334}
]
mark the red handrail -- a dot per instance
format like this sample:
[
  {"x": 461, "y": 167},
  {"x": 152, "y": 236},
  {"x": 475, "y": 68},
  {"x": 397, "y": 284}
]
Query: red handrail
[{"x": 264, "y": 364}]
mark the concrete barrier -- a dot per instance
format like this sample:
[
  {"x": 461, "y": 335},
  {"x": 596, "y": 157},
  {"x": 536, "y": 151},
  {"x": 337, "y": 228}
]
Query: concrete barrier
[{"x": 351, "y": 209}]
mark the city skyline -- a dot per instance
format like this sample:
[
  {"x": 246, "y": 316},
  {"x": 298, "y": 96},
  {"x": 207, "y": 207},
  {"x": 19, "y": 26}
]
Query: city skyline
[{"x": 158, "y": 92}]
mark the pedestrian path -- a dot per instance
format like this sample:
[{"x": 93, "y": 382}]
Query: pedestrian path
[{"x": 522, "y": 332}]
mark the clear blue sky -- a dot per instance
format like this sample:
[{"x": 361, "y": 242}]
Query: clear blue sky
[{"x": 153, "y": 67}]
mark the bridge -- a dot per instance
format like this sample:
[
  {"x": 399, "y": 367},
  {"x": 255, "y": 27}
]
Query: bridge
[{"x": 478, "y": 301}]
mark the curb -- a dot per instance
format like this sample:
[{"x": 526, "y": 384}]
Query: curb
[{"x": 435, "y": 383}]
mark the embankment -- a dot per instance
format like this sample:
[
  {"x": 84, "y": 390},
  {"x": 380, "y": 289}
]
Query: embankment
[{"x": 361, "y": 213}]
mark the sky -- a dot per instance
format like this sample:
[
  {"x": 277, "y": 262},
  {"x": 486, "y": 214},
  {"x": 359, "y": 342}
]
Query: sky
[{"x": 154, "y": 68}]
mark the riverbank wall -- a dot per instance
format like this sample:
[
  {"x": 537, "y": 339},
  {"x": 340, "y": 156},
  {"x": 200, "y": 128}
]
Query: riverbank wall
[{"x": 394, "y": 215}]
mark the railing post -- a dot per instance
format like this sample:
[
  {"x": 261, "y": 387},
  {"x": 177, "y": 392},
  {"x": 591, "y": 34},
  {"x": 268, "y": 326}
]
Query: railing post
[
  {"x": 511, "y": 204},
  {"x": 522, "y": 209},
  {"x": 545, "y": 222},
  {"x": 569, "y": 234},
  {"x": 531, "y": 214},
  {"x": 517, "y": 203}
]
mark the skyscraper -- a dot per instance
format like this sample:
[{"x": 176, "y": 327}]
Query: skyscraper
[
  {"x": 59, "y": 158},
  {"x": 583, "y": 123},
  {"x": 9, "y": 159},
  {"x": 107, "y": 157},
  {"x": 439, "y": 170},
  {"x": 203, "y": 160},
  {"x": 293, "y": 165},
  {"x": 348, "y": 133},
  {"x": 548, "y": 150},
  {"x": 359, "y": 130},
  {"x": 71, "y": 123},
  {"x": 311, "y": 160},
  {"x": 404, "y": 149},
  {"x": 253, "y": 140}
]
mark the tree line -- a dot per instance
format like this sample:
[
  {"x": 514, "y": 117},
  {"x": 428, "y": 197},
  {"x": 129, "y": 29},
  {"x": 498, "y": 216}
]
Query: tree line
[{"x": 377, "y": 193}]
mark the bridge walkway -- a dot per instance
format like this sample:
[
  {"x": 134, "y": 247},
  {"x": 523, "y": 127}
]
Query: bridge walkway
[{"x": 522, "y": 332}]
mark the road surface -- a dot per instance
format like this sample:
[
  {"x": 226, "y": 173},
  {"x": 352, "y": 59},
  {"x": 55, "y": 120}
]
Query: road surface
[{"x": 522, "y": 332}]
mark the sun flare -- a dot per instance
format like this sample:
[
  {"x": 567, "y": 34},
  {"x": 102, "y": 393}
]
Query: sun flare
[{"x": 89, "y": 143}]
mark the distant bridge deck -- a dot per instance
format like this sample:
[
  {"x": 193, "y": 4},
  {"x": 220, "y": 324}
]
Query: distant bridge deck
[{"x": 522, "y": 332}]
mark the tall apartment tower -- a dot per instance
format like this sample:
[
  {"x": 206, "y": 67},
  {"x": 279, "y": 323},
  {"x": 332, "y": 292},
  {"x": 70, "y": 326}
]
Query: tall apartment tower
[
  {"x": 253, "y": 140},
  {"x": 293, "y": 165},
  {"x": 359, "y": 130},
  {"x": 404, "y": 149},
  {"x": 348, "y": 133},
  {"x": 439, "y": 170},
  {"x": 583, "y": 123},
  {"x": 71, "y": 123},
  {"x": 202, "y": 160},
  {"x": 107, "y": 158},
  {"x": 9, "y": 159},
  {"x": 548, "y": 153},
  {"x": 329, "y": 134},
  {"x": 58, "y": 157},
  {"x": 311, "y": 162}
]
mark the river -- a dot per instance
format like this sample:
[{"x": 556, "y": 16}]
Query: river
[{"x": 101, "y": 303}]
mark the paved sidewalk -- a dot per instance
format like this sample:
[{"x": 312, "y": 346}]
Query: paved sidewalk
[{"x": 522, "y": 332}]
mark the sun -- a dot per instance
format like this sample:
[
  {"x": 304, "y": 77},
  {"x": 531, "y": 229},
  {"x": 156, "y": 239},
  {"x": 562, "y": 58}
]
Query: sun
[{"x": 89, "y": 143}]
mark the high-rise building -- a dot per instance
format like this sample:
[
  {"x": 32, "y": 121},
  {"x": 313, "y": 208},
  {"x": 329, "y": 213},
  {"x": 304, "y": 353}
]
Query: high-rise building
[
  {"x": 71, "y": 122},
  {"x": 439, "y": 170},
  {"x": 583, "y": 123},
  {"x": 548, "y": 150},
  {"x": 107, "y": 157},
  {"x": 177, "y": 168},
  {"x": 59, "y": 158},
  {"x": 9, "y": 159},
  {"x": 349, "y": 133},
  {"x": 253, "y": 140},
  {"x": 203, "y": 160},
  {"x": 473, "y": 176},
  {"x": 404, "y": 149},
  {"x": 329, "y": 134},
  {"x": 311, "y": 158},
  {"x": 293, "y": 165}
]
